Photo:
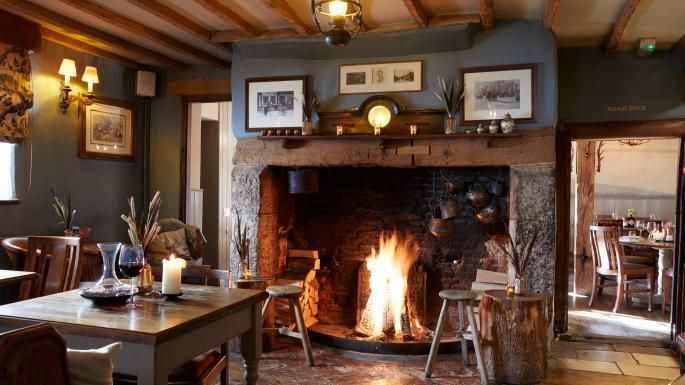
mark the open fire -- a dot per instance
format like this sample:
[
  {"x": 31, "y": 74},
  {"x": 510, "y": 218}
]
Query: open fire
[{"x": 389, "y": 312}]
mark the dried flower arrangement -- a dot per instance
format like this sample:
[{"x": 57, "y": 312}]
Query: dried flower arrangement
[
  {"x": 449, "y": 94},
  {"x": 64, "y": 211},
  {"x": 308, "y": 106},
  {"x": 146, "y": 230},
  {"x": 517, "y": 254},
  {"x": 241, "y": 241}
]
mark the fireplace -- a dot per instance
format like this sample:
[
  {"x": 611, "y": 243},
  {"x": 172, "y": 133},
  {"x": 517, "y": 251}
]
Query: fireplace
[{"x": 357, "y": 211}]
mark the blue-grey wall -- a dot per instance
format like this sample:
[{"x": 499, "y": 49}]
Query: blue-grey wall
[
  {"x": 597, "y": 87},
  {"x": 99, "y": 188},
  {"x": 510, "y": 43}
]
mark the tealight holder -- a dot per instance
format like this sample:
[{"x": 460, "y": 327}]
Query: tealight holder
[
  {"x": 339, "y": 130},
  {"x": 413, "y": 129},
  {"x": 377, "y": 130}
]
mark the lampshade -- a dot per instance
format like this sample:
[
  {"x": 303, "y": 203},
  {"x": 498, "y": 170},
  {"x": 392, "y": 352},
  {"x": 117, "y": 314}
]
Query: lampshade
[
  {"x": 379, "y": 116},
  {"x": 90, "y": 75},
  {"x": 338, "y": 20},
  {"x": 68, "y": 68}
]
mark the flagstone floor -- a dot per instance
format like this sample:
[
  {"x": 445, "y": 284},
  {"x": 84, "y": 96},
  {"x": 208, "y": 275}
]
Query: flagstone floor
[{"x": 584, "y": 361}]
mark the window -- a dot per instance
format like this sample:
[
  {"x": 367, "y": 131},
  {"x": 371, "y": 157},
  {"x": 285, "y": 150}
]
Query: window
[{"x": 7, "y": 191}]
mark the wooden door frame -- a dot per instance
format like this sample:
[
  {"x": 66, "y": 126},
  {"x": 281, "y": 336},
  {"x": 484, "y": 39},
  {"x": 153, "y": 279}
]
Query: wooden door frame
[
  {"x": 566, "y": 133},
  {"x": 186, "y": 101}
]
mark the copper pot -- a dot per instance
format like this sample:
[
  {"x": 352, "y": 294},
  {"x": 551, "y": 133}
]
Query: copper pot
[
  {"x": 490, "y": 212},
  {"x": 439, "y": 227},
  {"x": 449, "y": 208},
  {"x": 477, "y": 199},
  {"x": 456, "y": 187},
  {"x": 497, "y": 188}
]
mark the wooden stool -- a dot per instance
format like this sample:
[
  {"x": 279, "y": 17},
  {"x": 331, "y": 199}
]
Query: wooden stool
[
  {"x": 293, "y": 294},
  {"x": 461, "y": 297}
]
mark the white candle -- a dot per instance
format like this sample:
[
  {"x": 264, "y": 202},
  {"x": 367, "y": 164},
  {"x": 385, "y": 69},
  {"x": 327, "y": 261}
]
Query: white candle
[{"x": 171, "y": 274}]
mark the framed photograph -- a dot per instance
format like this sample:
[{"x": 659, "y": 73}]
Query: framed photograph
[
  {"x": 274, "y": 102},
  {"x": 107, "y": 130},
  {"x": 380, "y": 77},
  {"x": 492, "y": 92}
]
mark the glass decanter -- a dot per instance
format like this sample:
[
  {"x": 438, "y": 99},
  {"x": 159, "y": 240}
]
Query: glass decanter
[{"x": 108, "y": 285}]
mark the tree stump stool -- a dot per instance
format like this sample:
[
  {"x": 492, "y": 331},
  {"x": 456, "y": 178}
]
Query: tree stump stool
[
  {"x": 514, "y": 336},
  {"x": 293, "y": 294}
]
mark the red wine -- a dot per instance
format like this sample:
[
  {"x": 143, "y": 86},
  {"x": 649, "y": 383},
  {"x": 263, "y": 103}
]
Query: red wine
[{"x": 131, "y": 269}]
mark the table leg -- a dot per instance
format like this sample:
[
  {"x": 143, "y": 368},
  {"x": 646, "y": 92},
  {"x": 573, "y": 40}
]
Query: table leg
[
  {"x": 665, "y": 262},
  {"x": 151, "y": 372},
  {"x": 251, "y": 346},
  {"x": 223, "y": 377}
]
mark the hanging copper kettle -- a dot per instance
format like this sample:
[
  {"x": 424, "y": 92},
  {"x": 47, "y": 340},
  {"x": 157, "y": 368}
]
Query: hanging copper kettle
[
  {"x": 490, "y": 212},
  {"x": 477, "y": 198}
]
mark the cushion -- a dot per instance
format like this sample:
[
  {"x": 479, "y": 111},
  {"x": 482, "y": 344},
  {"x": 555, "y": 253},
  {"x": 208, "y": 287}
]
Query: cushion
[
  {"x": 680, "y": 342},
  {"x": 170, "y": 242},
  {"x": 93, "y": 366}
]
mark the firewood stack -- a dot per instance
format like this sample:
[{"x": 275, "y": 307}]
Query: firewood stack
[{"x": 300, "y": 270}]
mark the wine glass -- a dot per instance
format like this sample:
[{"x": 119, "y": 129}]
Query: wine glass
[
  {"x": 651, "y": 228},
  {"x": 131, "y": 260},
  {"x": 640, "y": 226}
]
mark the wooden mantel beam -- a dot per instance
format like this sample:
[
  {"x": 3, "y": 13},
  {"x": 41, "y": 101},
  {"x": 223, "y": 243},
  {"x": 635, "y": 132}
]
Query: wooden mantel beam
[
  {"x": 78, "y": 45},
  {"x": 56, "y": 22},
  {"x": 418, "y": 13},
  {"x": 620, "y": 25},
  {"x": 228, "y": 15},
  {"x": 282, "y": 8},
  {"x": 162, "y": 11},
  {"x": 551, "y": 7},
  {"x": 123, "y": 22},
  {"x": 487, "y": 13}
]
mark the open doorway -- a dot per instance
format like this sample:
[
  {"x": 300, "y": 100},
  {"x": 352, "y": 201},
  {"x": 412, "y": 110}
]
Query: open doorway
[
  {"x": 625, "y": 187},
  {"x": 206, "y": 182}
]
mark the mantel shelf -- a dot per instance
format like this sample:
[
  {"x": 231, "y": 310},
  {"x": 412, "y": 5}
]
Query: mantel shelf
[{"x": 383, "y": 139}]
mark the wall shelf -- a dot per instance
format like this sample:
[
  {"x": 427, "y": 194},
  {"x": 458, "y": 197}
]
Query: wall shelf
[{"x": 382, "y": 140}]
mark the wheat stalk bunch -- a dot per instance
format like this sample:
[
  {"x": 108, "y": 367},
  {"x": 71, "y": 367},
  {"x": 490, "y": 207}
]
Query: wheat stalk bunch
[
  {"x": 517, "y": 254},
  {"x": 449, "y": 94},
  {"x": 240, "y": 239},
  {"x": 64, "y": 212},
  {"x": 143, "y": 232}
]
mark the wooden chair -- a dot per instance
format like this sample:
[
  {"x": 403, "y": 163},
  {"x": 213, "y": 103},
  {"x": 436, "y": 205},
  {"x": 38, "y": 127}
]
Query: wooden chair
[
  {"x": 666, "y": 298},
  {"x": 57, "y": 261},
  {"x": 35, "y": 355},
  {"x": 607, "y": 257},
  {"x": 205, "y": 368}
]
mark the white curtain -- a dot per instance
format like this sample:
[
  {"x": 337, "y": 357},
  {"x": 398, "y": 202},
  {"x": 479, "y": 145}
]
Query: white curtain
[{"x": 7, "y": 190}]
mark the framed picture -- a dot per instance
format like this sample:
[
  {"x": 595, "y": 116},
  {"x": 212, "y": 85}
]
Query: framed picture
[
  {"x": 107, "y": 130},
  {"x": 274, "y": 102},
  {"x": 380, "y": 77},
  {"x": 492, "y": 92}
]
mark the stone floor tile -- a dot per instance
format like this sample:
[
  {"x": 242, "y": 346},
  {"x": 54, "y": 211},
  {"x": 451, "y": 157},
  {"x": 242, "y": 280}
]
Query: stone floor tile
[
  {"x": 638, "y": 370},
  {"x": 679, "y": 381},
  {"x": 605, "y": 355},
  {"x": 644, "y": 349},
  {"x": 559, "y": 351},
  {"x": 585, "y": 365},
  {"x": 654, "y": 360},
  {"x": 557, "y": 376}
]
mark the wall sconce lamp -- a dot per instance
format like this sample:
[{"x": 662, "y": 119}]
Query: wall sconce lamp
[{"x": 68, "y": 70}]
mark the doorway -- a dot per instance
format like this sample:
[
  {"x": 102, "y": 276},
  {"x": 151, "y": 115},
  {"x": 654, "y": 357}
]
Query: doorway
[
  {"x": 629, "y": 185},
  {"x": 205, "y": 176}
]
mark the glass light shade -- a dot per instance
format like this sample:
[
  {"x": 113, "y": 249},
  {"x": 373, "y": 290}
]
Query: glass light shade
[
  {"x": 90, "y": 75},
  {"x": 338, "y": 20},
  {"x": 337, "y": 8},
  {"x": 379, "y": 116}
]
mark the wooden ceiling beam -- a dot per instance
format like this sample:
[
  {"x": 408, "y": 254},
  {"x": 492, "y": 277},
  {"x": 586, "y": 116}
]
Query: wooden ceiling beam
[
  {"x": 78, "y": 45},
  {"x": 131, "y": 25},
  {"x": 62, "y": 24},
  {"x": 228, "y": 15},
  {"x": 620, "y": 25},
  {"x": 551, "y": 7},
  {"x": 417, "y": 12},
  {"x": 487, "y": 13},
  {"x": 282, "y": 8},
  {"x": 286, "y": 33},
  {"x": 168, "y": 14}
]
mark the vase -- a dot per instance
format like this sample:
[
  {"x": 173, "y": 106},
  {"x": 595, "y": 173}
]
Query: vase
[
  {"x": 519, "y": 285},
  {"x": 507, "y": 124},
  {"x": 307, "y": 127},
  {"x": 450, "y": 125},
  {"x": 245, "y": 270}
]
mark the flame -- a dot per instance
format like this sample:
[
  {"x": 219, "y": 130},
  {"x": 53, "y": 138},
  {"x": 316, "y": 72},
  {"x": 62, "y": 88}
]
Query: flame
[{"x": 389, "y": 269}]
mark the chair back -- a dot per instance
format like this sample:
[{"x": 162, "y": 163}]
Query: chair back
[
  {"x": 607, "y": 254},
  {"x": 33, "y": 355},
  {"x": 57, "y": 260},
  {"x": 199, "y": 275}
]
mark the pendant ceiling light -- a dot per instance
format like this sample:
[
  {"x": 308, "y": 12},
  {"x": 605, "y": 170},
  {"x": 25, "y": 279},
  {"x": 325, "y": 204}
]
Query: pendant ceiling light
[{"x": 339, "y": 20}]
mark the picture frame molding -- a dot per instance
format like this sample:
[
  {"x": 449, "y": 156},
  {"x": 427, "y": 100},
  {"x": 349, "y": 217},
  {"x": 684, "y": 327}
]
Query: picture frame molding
[
  {"x": 248, "y": 81},
  {"x": 340, "y": 73},
  {"x": 497, "y": 68},
  {"x": 83, "y": 151}
]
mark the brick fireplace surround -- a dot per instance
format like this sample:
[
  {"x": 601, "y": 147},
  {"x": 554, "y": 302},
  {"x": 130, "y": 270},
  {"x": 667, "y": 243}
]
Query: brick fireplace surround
[{"x": 365, "y": 189}]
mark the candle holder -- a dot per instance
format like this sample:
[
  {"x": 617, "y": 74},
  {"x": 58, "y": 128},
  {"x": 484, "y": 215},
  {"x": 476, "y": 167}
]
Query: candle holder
[
  {"x": 340, "y": 130},
  {"x": 172, "y": 297}
]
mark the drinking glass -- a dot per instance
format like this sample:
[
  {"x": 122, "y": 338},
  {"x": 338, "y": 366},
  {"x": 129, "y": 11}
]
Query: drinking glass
[
  {"x": 131, "y": 260},
  {"x": 640, "y": 226},
  {"x": 651, "y": 228}
]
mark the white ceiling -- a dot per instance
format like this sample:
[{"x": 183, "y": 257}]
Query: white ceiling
[{"x": 577, "y": 22}]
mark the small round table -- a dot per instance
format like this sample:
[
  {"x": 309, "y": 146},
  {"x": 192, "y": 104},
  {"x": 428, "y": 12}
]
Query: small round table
[
  {"x": 665, "y": 250},
  {"x": 513, "y": 333}
]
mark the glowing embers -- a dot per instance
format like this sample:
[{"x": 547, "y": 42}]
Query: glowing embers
[{"x": 390, "y": 311}]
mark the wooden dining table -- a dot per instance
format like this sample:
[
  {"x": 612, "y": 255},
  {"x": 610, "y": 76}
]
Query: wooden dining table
[
  {"x": 8, "y": 277},
  {"x": 157, "y": 337},
  {"x": 665, "y": 249}
]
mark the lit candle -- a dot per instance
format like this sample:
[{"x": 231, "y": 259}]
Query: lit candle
[
  {"x": 339, "y": 130},
  {"x": 377, "y": 130},
  {"x": 171, "y": 274},
  {"x": 413, "y": 129}
]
